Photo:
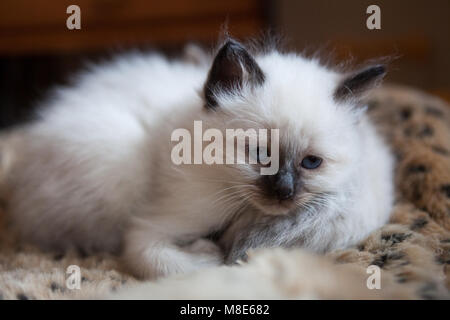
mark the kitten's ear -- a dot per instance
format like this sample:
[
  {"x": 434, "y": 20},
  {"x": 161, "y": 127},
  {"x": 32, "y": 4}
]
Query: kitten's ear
[
  {"x": 356, "y": 84},
  {"x": 231, "y": 67}
]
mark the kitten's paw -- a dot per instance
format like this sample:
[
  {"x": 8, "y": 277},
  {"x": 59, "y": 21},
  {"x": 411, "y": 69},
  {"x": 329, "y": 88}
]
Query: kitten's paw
[
  {"x": 205, "y": 253},
  {"x": 207, "y": 261},
  {"x": 204, "y": 246},
  {"x": 154, "y": 262}
]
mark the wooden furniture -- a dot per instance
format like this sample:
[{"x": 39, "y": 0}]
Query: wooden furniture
[
  {"x": 38, "y": 51},
  {"x": 30, "y": 27}
]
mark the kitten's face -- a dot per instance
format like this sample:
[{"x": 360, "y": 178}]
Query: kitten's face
[{"x": 318, "y": 138}]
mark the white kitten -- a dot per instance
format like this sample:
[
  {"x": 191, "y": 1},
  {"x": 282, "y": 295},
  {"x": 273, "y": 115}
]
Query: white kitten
[{"x": 94, "y": 170}]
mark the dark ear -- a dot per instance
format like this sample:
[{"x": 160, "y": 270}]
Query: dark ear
[
  {"x": 354, "y": 85},
  {"x": 231, "y": 67}
]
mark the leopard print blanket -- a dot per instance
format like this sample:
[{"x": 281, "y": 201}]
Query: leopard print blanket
[{"x": 412, "y": 251}]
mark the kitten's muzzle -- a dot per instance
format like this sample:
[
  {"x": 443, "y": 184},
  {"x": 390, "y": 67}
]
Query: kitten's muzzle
[
  {"x": 284, "y": 185},
  {"x": 280, "y": 190}
]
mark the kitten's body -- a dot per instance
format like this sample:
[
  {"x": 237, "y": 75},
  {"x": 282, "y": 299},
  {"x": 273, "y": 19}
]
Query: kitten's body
[
  {"x": 82, "y": 168},
  {"x": 94, "y": 171}
]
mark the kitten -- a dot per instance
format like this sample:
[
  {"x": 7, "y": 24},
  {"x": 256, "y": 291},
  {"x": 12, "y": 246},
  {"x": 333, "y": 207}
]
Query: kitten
[{"x": 94, "y": 171}]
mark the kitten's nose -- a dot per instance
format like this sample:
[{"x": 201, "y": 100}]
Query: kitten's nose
[{"x": 284, "y": 186}]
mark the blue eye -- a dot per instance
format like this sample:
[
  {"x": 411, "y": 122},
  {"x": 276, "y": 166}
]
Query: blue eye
[{"x": 311, "y": 162}]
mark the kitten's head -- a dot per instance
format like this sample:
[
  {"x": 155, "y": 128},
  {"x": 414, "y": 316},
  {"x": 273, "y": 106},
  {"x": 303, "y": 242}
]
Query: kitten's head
[{"x": 316, "y": 109}]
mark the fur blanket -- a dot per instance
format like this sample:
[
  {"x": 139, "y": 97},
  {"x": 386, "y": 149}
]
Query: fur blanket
[{"x": 412, "y": 251}]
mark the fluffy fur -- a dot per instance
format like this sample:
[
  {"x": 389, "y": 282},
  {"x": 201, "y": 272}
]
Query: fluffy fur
[{"x": 94, "y": 170}]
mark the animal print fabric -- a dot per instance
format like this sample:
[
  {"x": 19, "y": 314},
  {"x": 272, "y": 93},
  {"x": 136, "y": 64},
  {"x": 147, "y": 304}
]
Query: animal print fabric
[{"x": 413, "y": 250}]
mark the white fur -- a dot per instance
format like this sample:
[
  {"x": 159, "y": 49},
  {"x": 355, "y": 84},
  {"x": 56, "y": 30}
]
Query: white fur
[{"x": 94, "y": 170}]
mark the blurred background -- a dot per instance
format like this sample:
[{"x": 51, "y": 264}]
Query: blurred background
[{"x": 38, "y": 51}]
